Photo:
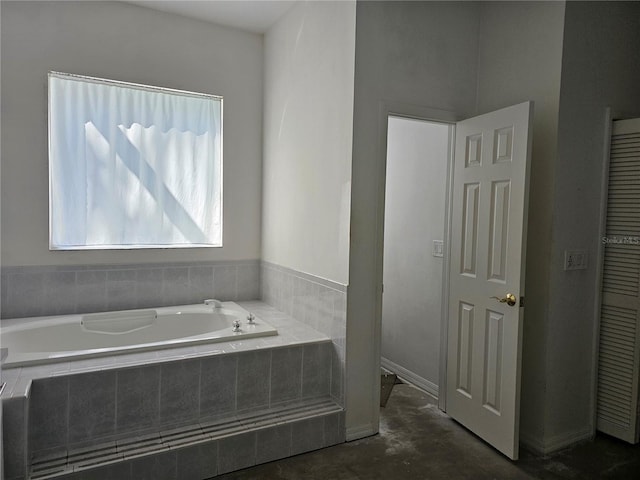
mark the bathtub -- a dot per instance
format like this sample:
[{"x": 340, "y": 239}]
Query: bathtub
[{"x": 42, "y": 340}]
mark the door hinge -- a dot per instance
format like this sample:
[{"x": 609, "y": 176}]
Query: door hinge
[{"x": 522, "y": 301}]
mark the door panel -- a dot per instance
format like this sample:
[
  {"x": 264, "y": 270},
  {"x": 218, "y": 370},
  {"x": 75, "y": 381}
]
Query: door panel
[
  {"x": 465, "y": 341},
  {"x": 470, "y": 234},
  {"x": 490, "y": 189},
  {"x": 499, "y": 217}
]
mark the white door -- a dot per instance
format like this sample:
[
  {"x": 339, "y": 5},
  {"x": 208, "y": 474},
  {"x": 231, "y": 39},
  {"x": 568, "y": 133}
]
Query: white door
[{"x": 490, "y": 186}]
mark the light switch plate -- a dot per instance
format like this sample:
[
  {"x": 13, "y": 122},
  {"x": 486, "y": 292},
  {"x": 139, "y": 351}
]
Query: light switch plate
[
  {"x": 575, "y": 259},
  {"x": 438, "y": 248}
]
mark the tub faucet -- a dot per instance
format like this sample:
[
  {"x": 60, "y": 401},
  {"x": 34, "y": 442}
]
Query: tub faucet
[{"x": 212, "y": 302}]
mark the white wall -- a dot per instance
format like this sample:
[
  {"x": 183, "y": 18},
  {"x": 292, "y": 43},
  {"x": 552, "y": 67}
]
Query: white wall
[
  {"x": 600, "y": 68},
  {"x": 124, "y": 42},
  {"x": 417, "y": 154},
  {"x": 411, "y": 55},
  {"x": 520, "y": 55},
  {"x": 308, "y": 114}
]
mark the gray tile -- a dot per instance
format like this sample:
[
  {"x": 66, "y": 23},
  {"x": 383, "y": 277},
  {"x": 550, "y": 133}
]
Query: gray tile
[
  {"x": 59, "y": 293},
  {"x": 273, "y": 443},
  {"x": 115, "y": 471},
  {"x": 183, "y": 436},
  {"x": 248, "y": 282},
  {"x": 312, "y": 313},
  {"x": 316, "y": 369},
  {"x": 266, "y": 285},
  {"x": 4, "y": 277},
  {"x": 138, "y": 398},
  {"x": 121, "y": 289},
  {"x": 307, "y": 435},
  {"x": 91, "y": 291},
  {"x": 175, "y": 285},
  {"x": 179, "y": 391},
  {"x": 92, "y": 406},
  {"x": 14, "y": 436},
  {"x": 122, "y": 275},
  {"x": 286, "y": 374},
  {"x": 334, "y": 429},
  {"x": 325, "y": 312},
  {"x": 225, "y": 278},
  {"x": 253, "y": 379},
  {"x": 299, "y": 299},
  {"x": 149, "y": 287},
  {"x": 218, "y": 384},
  {"x": 10, "y": 378},
  {"x": 286, "y": 293},
  {"x": 71, "y": 476},
  {"x": 337, "y": 374},
  {"x": 200, "y": 283},
  {"x": 340, "y": 312},
  {"x": 161, "y": 466},
  {"x": 48, "y": 413},
  {"x": 51, "y": 471},
  {"x": 236, "y": 452},
  {"x": 24, "y": 294},
  {"x": 197, "y": 461},
  {"x": 276, "y": 285}
]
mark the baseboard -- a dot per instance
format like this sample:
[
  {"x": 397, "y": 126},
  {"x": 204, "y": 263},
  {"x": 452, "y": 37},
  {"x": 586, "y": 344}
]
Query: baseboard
[
  {"x": 557, "y": 442},
  {"x": 361, "y": 431},
  {"x": 412, "y": 378}
]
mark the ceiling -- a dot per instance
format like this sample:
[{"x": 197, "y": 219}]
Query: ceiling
[{"x": 251, "y": 15}]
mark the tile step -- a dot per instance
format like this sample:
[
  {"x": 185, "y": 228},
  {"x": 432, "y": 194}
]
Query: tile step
[{"x": 99, "y": 455}]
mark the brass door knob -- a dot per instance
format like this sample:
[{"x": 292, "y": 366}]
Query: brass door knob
[{"x": 509, "y": 299}]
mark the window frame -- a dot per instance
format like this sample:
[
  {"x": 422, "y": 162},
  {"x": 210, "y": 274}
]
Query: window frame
[{"x": 147, "y": 88}]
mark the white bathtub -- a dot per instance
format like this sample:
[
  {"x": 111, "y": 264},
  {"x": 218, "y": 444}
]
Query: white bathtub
[{"x": 43, "y": 340}]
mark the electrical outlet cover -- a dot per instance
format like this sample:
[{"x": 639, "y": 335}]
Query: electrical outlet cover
[{"x": 575, "y": 259}]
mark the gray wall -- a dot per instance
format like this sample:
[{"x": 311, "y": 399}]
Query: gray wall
[
  {"x": 417, "y": 155},
  {"x": 600, "y": 68},
  {"x": 407, "y": 53},
  {"x": 308, "y": 116},
  {"x": 130, "y": 43},
  {"x": 520, "y": 55}
]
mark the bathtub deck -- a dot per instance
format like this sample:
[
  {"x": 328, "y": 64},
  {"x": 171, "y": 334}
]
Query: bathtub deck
[
  {"x": 287, "y": 399},
  {"x": 290, "y": 332}
]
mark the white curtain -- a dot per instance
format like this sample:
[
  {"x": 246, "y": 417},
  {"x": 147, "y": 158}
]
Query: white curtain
[{"x": 133, "y": 167}]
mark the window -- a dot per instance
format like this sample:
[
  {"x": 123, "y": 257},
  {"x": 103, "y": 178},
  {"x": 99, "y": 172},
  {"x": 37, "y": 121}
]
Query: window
[{"x": 132, "y": 166}]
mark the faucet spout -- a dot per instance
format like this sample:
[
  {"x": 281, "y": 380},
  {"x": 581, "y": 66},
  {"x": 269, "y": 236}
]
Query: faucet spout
[{"x": 211, "y": 302}]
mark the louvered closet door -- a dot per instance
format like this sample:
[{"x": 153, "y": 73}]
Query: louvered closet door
[{"x": 619, "y": 357}]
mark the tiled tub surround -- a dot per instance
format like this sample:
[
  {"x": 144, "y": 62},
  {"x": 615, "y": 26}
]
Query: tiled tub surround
[
  {"x": 184, "y": 413},
  {"x": 314, "y": 301},
  {"x": 60, "y": 290}
]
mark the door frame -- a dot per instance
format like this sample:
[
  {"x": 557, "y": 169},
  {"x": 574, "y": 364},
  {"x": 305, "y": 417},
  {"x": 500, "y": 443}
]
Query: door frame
[
  {"x": 416, "y": 112},
  {"x": 599, "y": 266}
]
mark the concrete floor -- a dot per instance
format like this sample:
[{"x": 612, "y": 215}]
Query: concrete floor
[{"x": 419, "y": 442}]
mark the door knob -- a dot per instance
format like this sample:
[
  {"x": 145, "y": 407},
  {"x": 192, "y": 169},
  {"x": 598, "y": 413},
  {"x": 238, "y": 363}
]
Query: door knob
[{"x": 509, "y": 299}]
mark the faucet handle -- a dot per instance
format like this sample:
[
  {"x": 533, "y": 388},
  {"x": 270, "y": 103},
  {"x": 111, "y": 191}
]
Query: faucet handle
[
  {"x": 236, "y": 325},
  {"x": 250, "y": 318}
]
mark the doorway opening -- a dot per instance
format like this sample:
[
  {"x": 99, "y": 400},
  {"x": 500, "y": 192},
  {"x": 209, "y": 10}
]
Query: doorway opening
[
  {"x": 414, "y": 271},
  {"x": 483, "y": 272}
]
